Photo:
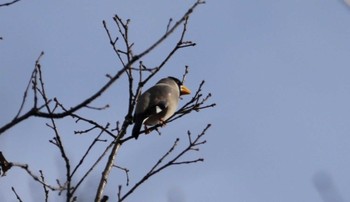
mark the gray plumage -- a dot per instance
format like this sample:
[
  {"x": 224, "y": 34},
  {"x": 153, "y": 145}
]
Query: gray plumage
[{"x": 158, "y": 103}]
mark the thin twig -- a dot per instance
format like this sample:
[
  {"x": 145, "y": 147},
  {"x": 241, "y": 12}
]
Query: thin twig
[
  {"x": 98, "y": 108},
  {"x": 114, "y": 43},
  {"x": 185, "y": 74},
  {"x": 36, "y": 177},
  {"x": 80, "y": 118},
  {"x": 4, "y": 165},
  {"x": 37, "y": 113},
  {"x": 17, "y": 196},
  {"x": 33, "y": 77},
  {"x": 57, "y": 139},
  {"x": 93, "y": 166},
  {"x": 158, "y": 167},
  {"x": 46, "y": 191},
  {"x": 151, "y": 171},
  {"x": 127, "y": 120},
  {"x": 171, "y": 53},
  {"x": 169, "y": 23},
  {"x": 9, "y": 3},
  {"x": 126, "y": 173},
  {"x": 87, "y": 152}
]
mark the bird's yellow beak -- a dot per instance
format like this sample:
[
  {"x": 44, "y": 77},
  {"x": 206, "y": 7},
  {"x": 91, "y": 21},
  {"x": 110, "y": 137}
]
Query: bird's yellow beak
[{"x": 184, "y": 90}]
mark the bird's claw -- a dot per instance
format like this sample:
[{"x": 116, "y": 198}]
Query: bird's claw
[
  {"x": 162, "y": 123},
  {"x": 147, "y": 130}
]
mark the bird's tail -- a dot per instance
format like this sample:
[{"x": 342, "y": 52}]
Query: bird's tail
[{"x": 136, "y": 129}]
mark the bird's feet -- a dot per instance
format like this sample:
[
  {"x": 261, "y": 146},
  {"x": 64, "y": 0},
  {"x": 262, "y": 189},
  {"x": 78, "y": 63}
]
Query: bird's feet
[
  {"x": 162, "y": 123},
  {"x": 147, "y": 130}
]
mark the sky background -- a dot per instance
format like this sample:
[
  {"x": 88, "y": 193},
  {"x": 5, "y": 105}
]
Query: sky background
[{"x": 278, "y": 71}]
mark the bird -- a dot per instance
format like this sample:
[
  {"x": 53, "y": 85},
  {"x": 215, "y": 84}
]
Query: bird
[{"x": 158, "y": 103}]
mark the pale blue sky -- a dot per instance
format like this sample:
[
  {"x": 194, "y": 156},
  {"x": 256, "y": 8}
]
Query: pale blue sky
[{"x": 278, "y": 70}]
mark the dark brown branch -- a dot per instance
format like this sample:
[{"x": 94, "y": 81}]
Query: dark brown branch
[
  {"x": 97, "y": 139},
  {"x": 104, "y": 153},
  {"x": 9, "y": 3},
  {"x": 127, "y": 120},
  {"x": 169, "y": 23},
  {"x": 55, "y": 110},
  {"x": 114, "y": 43},
  {"x": 171, "y": 53},
  {"x": 185, "y": 74},
  {"x": 46, "y": 191},
  {"x": 35, "y": 112},
  {"x": 158, "y": 167},
  {"x": 17, "y": 196},
  {"x": 57, "y": 138},
  {"x": 151, "y": 172},
  {"x": 18, "y": 118},
  {"x": 172, "y": 29},
  {"x": 4, "y": 165},
  {"x": 80, "y": 118},
  {"x": 123, "y": 28},
  {"x": 126, "y": 173},
  {"x": 32, "y": 78},
  {"x": 36, "y": 177}
]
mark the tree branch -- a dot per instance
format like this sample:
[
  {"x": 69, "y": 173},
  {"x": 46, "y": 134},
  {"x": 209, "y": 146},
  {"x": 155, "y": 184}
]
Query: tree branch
[
  {"x": 17, "y": 196},
  {"x": 158, "y": 167},
  {"x": 9, "y": 3},
  {"x": 127, "y": 120},
  {"x": 50, "y": 108}
]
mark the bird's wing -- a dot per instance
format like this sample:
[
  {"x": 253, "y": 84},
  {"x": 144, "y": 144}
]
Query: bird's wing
[
  {"x": 143, "y": 116},
  {"x": 157, "y": 108},
  {"x": 152, "y": 104}
]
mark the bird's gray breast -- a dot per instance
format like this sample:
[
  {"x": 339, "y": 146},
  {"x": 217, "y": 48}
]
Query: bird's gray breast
[{"x": 164, "y": 95}]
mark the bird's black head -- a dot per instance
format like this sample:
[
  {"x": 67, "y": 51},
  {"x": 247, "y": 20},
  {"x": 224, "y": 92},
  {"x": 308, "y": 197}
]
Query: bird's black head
[
  {"x": 183, "y": 89},
  {"x": 177, "y": 81}
]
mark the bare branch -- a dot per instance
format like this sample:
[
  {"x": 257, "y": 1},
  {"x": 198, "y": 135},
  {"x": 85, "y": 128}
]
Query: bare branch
[
  {"x": 80, "y": 118},
  {"x": 57, "y": 138},
  {"x": 131, "y": 61},
  {"x": 151, "y": 172},
  {"x": 9, "y": 3},
  {"x": 37, "y": 113},
  {"x": 97, "y": 139},
  {"x": 106, "y": 171},
  {"x": 17, "y": 196},
  {"x": 172, "y": 29},
  {"x": 4, "y": 164},
  {"x": 36, "y": 177},
  {"x": 127, "y": 120},
  {"x": 171, "y": 53},
  {"x": 185, "y": 74},
  {"x": 32, "y": 80},
  {"x": 158, "y": 167},
  {"x": 113, "y": 42},
  {"x": 46, "y": 191},
  {"x": 92, "y": 167},
  {"x": 126, "y": 173},
  {"x": 168, "y": 26},
  {"x": 51, "y": 109}
]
